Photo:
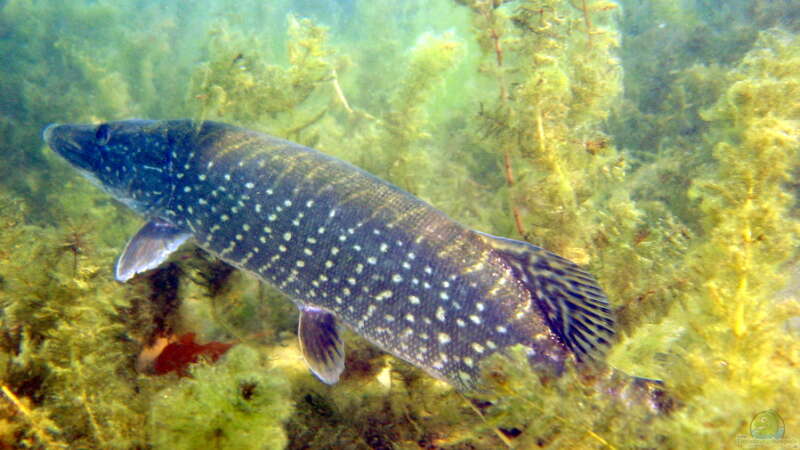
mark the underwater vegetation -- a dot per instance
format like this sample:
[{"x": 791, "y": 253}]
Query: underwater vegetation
[
  {"x": 655, "y": 143},
  {"x": 236, "y": 404}
]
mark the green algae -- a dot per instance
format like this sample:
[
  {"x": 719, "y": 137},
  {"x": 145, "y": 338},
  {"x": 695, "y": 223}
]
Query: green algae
[
  {"x": 654, "y": 142},
  {"x": 237, "y": 83},
  {"x": 234, "y": 404}
]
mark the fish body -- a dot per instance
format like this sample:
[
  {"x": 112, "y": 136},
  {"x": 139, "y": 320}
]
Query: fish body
[{"x": 345, "y": 246}]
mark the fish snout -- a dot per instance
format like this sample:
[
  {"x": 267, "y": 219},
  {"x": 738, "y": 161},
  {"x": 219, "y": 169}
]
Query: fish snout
[{"x": 47, "y": 133}]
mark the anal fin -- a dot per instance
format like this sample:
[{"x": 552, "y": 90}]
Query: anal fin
[
  {"x": 320, "y": 343},
  {"x": 148, "y": 248}
]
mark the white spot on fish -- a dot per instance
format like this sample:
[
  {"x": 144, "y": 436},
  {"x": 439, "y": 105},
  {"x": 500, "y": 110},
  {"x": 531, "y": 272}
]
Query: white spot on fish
[
  {"x": 440, "y": 314},
  {"x": 383, "y": 295}
]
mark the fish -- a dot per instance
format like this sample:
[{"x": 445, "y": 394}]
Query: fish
[{"x": 348, "y": 248}]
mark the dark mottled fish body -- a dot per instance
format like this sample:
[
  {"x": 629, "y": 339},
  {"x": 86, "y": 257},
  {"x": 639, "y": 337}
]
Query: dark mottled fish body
[{"x": 344, "y": 245}]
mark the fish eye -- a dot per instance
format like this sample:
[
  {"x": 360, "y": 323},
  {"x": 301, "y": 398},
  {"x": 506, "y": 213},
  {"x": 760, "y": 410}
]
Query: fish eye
[{"x": 103, "y": 134}]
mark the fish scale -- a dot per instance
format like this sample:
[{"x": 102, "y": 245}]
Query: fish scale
[{"x": 343, "y": 245}]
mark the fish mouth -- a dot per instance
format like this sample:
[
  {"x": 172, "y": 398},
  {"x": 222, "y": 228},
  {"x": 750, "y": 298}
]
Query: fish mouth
[
  {"x": 66, "y": 140},
  {"x": 47, "y": 133},
  {"x": 59, "y": 138}
]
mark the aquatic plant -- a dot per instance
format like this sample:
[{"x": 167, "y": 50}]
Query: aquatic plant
[
  {"x": 403, "y": 126},
  {"x": 237, "y": 83},
  {"x": 234, "y": 404},
  {"x": 65, "y": 344},
  {"x": 544, "y": 116},
  {"x": 735, "y": 331}
]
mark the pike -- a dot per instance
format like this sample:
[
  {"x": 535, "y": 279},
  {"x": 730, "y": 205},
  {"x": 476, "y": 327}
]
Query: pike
[{"x": 344, "y": 246}]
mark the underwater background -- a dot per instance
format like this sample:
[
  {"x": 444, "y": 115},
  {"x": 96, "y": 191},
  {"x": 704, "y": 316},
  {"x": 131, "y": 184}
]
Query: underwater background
[{"x": 656, "y": 143}]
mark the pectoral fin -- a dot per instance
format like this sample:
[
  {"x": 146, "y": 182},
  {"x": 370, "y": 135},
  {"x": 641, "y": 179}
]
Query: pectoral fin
[
  {"x": 148, "y": 248},
  {"x": 322, "y": 347}
]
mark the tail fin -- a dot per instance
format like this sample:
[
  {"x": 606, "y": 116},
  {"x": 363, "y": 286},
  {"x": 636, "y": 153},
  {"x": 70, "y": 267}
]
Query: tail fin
[{"x": 575, "y": 307}]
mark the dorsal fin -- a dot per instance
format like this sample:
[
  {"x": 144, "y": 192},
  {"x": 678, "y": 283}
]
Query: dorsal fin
[{"x": 575, "y": 307}]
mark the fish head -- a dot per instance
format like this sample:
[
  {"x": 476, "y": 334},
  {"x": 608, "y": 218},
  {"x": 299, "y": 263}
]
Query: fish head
[{"x": 129, "y": 159}]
